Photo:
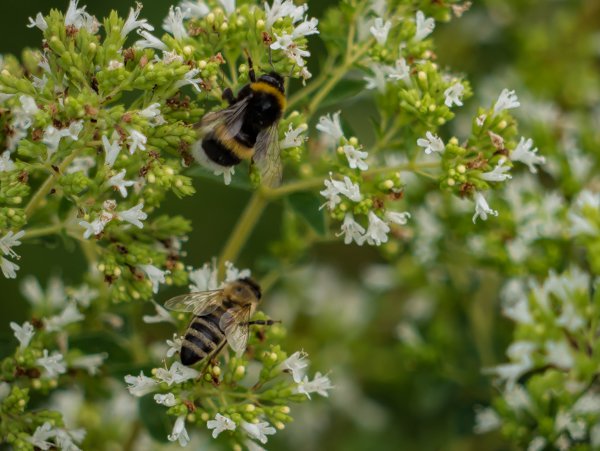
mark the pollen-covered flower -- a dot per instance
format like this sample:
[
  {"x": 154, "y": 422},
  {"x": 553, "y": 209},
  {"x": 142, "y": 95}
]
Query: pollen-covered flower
[
  {"x": 454, "y": 94},
  {"x": 155, "y": 275},
  {"x": 482, "y": 209},
  {"x": 23, "y": 333},
  {"x": 507, "y": 100},
  {"x": 352, "y": 230},
  {"x": 140, "y": 385},
  {"x": 431, "y": 143},
  {"x": 220, "y": 424},
  {"x": 380, "y": 30},
  {"x": 134, "y": 215},
  {"x": 525, "y": 155},
  {"x": 425, "y": 26},
  {"x": 53, "y": 364}
]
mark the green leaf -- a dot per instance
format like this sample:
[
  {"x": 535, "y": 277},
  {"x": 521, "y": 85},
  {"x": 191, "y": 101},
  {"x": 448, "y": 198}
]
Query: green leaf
[
  {"x": 155, "y": 418},
  {"x": 307, "y": 206}
]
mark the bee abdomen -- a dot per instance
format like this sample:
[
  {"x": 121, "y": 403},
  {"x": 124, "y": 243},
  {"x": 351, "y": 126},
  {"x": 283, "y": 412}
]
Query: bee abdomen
[
  {"x": 202, "y": 337},
  {"x": 218, "y": 153}
]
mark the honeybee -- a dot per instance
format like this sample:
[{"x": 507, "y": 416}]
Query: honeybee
[
  {"x": 247, "y": 129},
  {"x": 220, "y": 316}
]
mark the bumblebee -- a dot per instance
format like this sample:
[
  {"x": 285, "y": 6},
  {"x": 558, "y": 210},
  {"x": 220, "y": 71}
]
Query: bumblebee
[
  {"x": 220, "y": 316},
  {"x": 247, "y": 129}
]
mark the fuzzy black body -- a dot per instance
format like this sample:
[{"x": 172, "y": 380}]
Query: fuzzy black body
[{"x": 257, "y": 107}]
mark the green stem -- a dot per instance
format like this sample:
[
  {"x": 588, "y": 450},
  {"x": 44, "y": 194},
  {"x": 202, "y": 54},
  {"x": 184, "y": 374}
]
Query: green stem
[
  {"x": 42, "y": 231},
  {"x": 242, "y": 229}
]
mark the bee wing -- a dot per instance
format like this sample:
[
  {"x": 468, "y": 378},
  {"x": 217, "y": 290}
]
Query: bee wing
[
  {"x": 267, "y": 155},
  {"x": 234, "y": 323},
  {"x": 231, "y": 117},
  {"x": 200, "y": 303}
]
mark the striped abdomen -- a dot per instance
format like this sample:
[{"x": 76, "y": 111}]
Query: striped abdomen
[{"x": 202, "y": 337}]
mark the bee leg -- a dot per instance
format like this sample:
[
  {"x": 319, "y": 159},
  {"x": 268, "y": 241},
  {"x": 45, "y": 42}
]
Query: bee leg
[
  {"x": 228, "y": 95},
  {"x": 251, "y": 73},
  {"x": 268, "y": 322},
  {"x": 209, "y": 358}
]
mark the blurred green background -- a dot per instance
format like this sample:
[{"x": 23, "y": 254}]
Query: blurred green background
[{"x": 545, "y": 47}]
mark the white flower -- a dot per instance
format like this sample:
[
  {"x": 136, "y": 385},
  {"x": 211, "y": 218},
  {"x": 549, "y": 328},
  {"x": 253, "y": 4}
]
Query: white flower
[
  {"x": 196, "y": 10},
  {"x": 486, "y": 420},
  {"x": 400, "y": 72},
  {"x": 23, "y": 333},
  {"x": 424, "y": 26},
  {"x": 529, "y": 157},
  {"x": 377, "y": 81},
  {"x": 9, "y": 269},
  {"x": 155, "y": 276},
  {"x": 397, "y": 217},
  {"x": 78, "y": 18},
  {"x": 499, "y": 173},
  {"x": 349, "y": 189},
  {"x": 506, "y": 100},
  {"x": 152, "y": 113},
  {"x": 380, "y": 30},
  {"x": 166, "y": 400},
  {"x": 352, "y": 230},
  {"x": 558, "y": 353},
  {"x": 39, "y": 22},
  {"x": 292, "y": 136},
  {"x": 174, "y": 345},
  {"x": 320, "y": 384},
  {"x": 118, "y": 181},
  {"x": 203, "y": 279},
  {"x": 53, "y": 364},
  {"x": 228, "y": 5},
  {"x": 454, "y": 94},
  {"x": 179, "y": 432},
  {"x": 52, "y": 135},
  {"x": 112, "y": 150},
  {"x": 295, "y": 364},
  {"x": 306, "y": 28},
  {"x": 41, "y": 435},
  {"x": 39, "y": 83},
  {"x": 220, "y": 424},
  {"x": 162, "y": 315},
  {"x": 190, "y": 79},
  {"x": 6, "y": 164},
  {"x": 232, "y": 273},
  {"x": 97, "y": 225},
  {"x": 10, "y": 240},
  {"x": 91, "y": 362},
  {"x": 136, "y": 140},
  {"x": 150, "y": 41},
  {"x": 171, "y": 57},
  {"x": 134, "y": 215},
  {"x": 281, "y": 9},
  {"x": 356, "y": 158},
  {"x": 140, "y": 385},
  {"x": 519, "y": 353},
  {"x": 69, "y": 315},
  {"x": 114, "y": 65},
  {"x": 81, "y": 164},
  {"x": 482, "y": 209},
  {"x": 258, "y": 431},
  {"x": 132, "y": 22},
  {"x": 330, "y": 125},
  {"x": 537, "y": 444},
  {"x": 177, "y": 374},
  {"x": 431, "y": 143},
  {"x": 290, "y": 48},
  {"x": 173, "y": 23},
  {"x": 377, "y": 231},
  {"x": 588, "y": 403},
  {"x": 336, "y": 187},
  {"x": 65, "y": 440}
]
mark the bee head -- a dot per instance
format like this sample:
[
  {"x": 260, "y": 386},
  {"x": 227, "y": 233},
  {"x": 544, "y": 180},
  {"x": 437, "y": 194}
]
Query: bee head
[
  {"x": 273, "y": 79},
  {"x": 244, "y": 291}
]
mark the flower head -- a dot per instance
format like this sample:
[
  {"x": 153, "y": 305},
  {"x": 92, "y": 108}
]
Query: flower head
[
  {"x": 177, "y": 374},
  {"x": 118, "y": 182},
  {"x": 179, "y": 432},
  {"x": 150, "y": 41},
  {"x": 320, "y": 384},
  {"x": 431, "y": 143},
  {"x": 506, "y": 100},
  {"x": 134, "y": 215},
  {"x": 525, "y": 155},
  {"x": 454, "y": 94},
  {"x": 166, "y": 400},
  {"x": 352, "y": 230},
  {"x": 295, "y": 364},
  {"x": 482, "y": 209},
  {"x": 220, "y": 424},
  {"x": 136, "y": 140},
  {"x": 6, "y": 164},
  {"x": 53, "y": 364},
  {"x": 112, "y": 150},
  {"x": 401, "y": 71},
  {"x": 499, "y": 173},
  {"x": 377, "y": 231},
  {"x": 173, "y": 23},
  {"x": 69, "y": 315},
  {"x": 258, "y": 431},
  {"x": 140, "y": 385},
  {"x": 162, "y": 314},
  {"x": 23, "y": 333},
  {"x": 132, "y": 22},
  {"x": 281, "y": 9},
  {"x": 91, "y": 362},
  {"x": 194, "y": 9},
  {"x": 330, "y": 125},
  {"x": 380, "y": 31},
  {"x": 425, "y": 26},
  {"x": 155, "y": 275},
  {"x": 293, "y": 138},
  {"x": 356, "y": 158},
  {"x": 39, "y": 22}
]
